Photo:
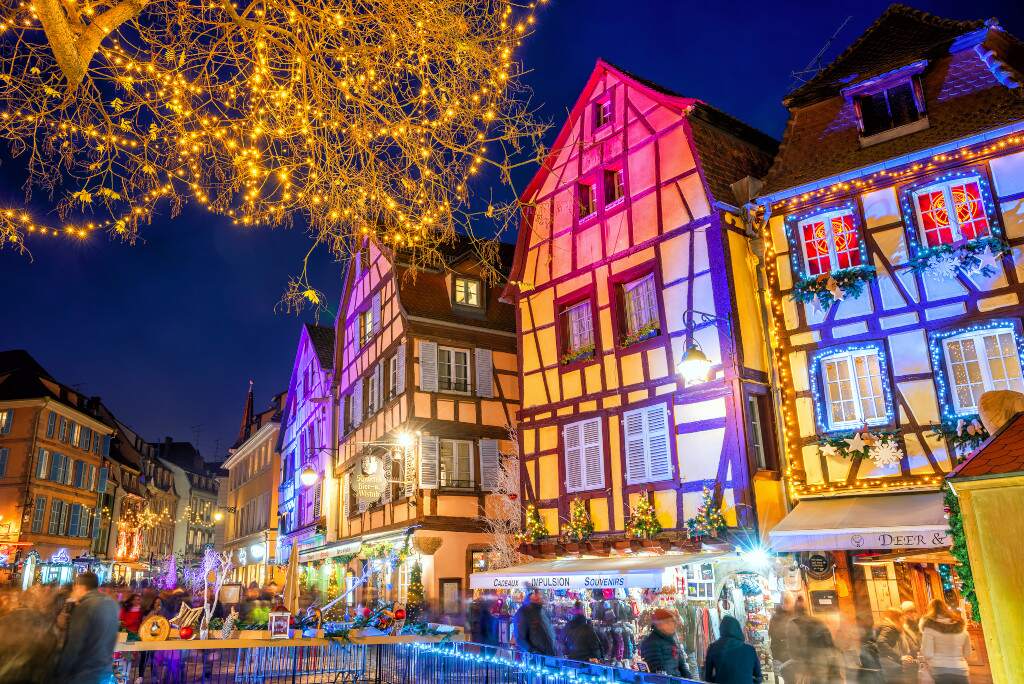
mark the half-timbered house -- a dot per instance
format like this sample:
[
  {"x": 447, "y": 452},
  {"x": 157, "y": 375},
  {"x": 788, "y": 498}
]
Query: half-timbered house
[
  {"x": 428, "y": 393},
  {"x": 894, "y": 215},
  {"x": 632, "y": 258}
]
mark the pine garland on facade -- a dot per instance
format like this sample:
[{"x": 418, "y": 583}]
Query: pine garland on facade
[
  {"x": 643, "y": 524},
  {"x": 535, "y": 527},
  {"x": 580, "y": 527},
  {"x": 709, "y": 520},
  {"x": 959, "y": 551}
]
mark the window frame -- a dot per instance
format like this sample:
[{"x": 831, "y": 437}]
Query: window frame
[
  {"x": 822, "y": 405},
  {"x": 917, "y": 242},
  {"x": 469, "y": 370},
  {"x": 471, "y": 483},
  {"x": 364, "y": 327},
  {"x": 469, "y": 280},
  {"x": 884, "y": 89},
  {"x": 617, "y": 176},
  {"x": 563, "y": 332},
  {"x": 943, "y": 370},
  {"x": 603, "y": 112},
  {"x": 591, "y": 188},
  {"x": 794, "y": 236},
  {"x": 827, "y": 218},
  {"x": 392, "y": 377},
  {"x": 945, "y": 187},
  {"x": 631, "y": 285}
]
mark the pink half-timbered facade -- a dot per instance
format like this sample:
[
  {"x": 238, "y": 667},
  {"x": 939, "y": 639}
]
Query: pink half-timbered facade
[
  {"x": 306, "y": 440},
  {"x": 632, "y": 251}
]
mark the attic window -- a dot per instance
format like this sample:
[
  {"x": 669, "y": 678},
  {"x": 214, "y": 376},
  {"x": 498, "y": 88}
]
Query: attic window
[
  {"x": 467, "y": 292},
  {"x": 602, "y": 112}
]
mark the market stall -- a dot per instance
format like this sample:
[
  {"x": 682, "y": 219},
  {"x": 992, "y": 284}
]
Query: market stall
[{"x": 620, "y": 593}]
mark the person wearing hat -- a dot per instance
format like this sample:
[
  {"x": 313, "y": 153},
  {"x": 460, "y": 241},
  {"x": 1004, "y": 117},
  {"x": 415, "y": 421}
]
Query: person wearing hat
[
  {"x": 660, "y": 649},
  {"x": 730, "y": 659}
]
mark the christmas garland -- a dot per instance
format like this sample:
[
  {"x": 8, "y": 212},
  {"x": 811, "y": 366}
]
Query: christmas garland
[
  {"x": 974, "y": 256},
  {"x": 959, "y": 551},
  {"x": 643, "y": 524},
  {"x": 835, "y": 286},
  {"x": 965, "y": 435},
  {"x": 584, "y": 351},
  {"x": 882, "y": 447},
  {"x": 580, "y": 527},
  {"x": 709, "y": 520},
  {"x": 640, "y": 334}
]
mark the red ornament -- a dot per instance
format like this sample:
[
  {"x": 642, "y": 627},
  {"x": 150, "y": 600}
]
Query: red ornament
[
  {"x": 400, "y": 614},
  {"x": 513, "y": 497},
  {"x": 185, "y": 632},
  {"x": 367, "y": 612}
]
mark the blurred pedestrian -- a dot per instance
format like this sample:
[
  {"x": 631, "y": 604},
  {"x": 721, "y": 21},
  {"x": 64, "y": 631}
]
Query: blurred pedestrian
[
  {"x": 660, "y": 649},
  {"x": 582, "y": 641},
  {"x": 533, "y": 626},
  {"x": 483, "y": 626},
  {"x": 911, "y": 627},
  {"x": 131, "y": 613},
  {"x": 893, "y": 650},
  {"x": 870, "y": 661},
  {"x": 88, "y": 654},
  {"x": 824, "y": 661},
  {"x": 778, "y": 630},
  {"x": 945, "y": 644},
  {"x": 730, "y": 659}
]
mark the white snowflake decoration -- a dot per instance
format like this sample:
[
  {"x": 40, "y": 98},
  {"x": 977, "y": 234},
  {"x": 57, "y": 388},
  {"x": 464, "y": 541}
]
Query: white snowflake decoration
[
  {"x": 885, "y": 453},
  {"x": 943, "y": 265}
]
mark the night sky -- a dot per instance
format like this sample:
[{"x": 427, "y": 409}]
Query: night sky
[{"x": 170, "y": 331}]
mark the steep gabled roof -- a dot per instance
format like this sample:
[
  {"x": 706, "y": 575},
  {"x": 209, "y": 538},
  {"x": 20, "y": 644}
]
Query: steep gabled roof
[
  {"x": 1001, "y": 454},
  {"x": 898, "y": 37},
  {"x": 322, "y": 339},
  {"x": 728, "y": 150}
]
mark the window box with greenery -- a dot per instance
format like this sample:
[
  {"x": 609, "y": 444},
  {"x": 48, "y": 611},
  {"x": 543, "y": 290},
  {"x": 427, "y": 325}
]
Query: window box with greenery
[{"x": 582, "y": 353}]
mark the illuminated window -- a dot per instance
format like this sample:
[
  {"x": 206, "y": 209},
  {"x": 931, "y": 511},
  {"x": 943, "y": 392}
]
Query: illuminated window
[
  {"x": 456, "y": 463},
  {"x": 951, "y": 211},
  {"x": 587, "y": 199},
  {"x": 889, "y": 108},
  {"x": 393, "y": 376},
  {"x": 614, "y": 186},
  {"x": 602, "y": 112},
  {"x": 853, "y": 389},
  {"x": 365, "y": 326},
  {"x": 640, "y": 303},
  {"x": 981, "y": 361},
  {"x": 452, "y": 369},
  {"x": 6, "y": 418},
  {"x": 829, "y": 242},
  {"x": 578, "y": 328},
  {"x": 467, "y": 292}
]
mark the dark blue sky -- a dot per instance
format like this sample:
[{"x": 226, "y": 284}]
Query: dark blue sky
[{"x": 169, "y": 331}]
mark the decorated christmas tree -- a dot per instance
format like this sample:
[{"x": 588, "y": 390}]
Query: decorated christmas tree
[
  {"x": 709, "y": 520},
  {"x": 580, "y": 527},
  {"x": 535, "y": 527},
  {"x": 643, "y": 524},
  {"x": 414, "y": 594},
  {"x": 169, "y": 579},
  {"x": 332, "y": 584}
]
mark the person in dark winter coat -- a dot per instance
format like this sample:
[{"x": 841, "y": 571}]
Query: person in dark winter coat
[
  {"x": 583, "y": 643},
  {"x": 778, "y": 629},
  {"x": 870, "y": 660},
  {"x": 660, "y": 650},
  {"x": 88, "y": 656},
  {"x": 483, "y": 625},
  {"x": 533, "y": 627},
  {"x": 731, "y": 660}
]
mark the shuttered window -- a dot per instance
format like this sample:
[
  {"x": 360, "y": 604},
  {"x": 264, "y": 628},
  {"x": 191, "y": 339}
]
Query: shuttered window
[
  {"x": 43, "y": 464},
  {"x": 584, "y": 455},
  {"x": 428, "y": 366},
  {"x": 51, "y": 424},
  {"x": 357, "y": 402},
  {"x": 648, "y": 450},
  {"x": 484, "y": 372},
  {"x": 38, "y": 514},
  {"x": 55, "y": 508},
  {"x": 429, "y": 449},
  {"x": 489, "y": 465},
  {"x": 456, "y": 464}
]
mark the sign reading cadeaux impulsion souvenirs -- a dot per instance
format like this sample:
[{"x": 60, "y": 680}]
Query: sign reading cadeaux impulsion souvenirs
[{"x": 645, "y": 580}]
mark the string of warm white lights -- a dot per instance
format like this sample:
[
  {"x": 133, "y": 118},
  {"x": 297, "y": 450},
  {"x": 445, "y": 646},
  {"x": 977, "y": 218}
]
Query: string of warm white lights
[{"x": 360, "y": 119}]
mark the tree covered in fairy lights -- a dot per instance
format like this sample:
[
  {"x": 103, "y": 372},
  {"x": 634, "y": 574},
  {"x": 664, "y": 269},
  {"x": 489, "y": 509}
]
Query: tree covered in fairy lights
[{"x": 350, "y": 117}]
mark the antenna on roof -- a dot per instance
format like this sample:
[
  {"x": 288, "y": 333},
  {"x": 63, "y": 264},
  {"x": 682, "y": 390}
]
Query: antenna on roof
[{"x": 814, "y": 66}]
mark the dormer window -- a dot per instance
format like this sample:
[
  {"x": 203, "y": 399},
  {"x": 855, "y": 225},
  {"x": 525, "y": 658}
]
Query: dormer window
[
  {"x": 602, "y": 113},
  {"x": 587, "y": 199},
  {"x": 888, "y": 108},
  {"x": 467, "y": 292}
]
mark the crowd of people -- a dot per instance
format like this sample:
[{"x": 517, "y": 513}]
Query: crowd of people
[{"x": 906, "y": 648}]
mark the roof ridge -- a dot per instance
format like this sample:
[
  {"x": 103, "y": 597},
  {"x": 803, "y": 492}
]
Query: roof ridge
[
  {"x": 766, "y": 138},
  {"x": 891, "y": 11}
]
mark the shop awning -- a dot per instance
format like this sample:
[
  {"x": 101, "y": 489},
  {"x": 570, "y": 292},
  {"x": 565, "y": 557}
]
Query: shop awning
[
  {"x": 887, "y": 521},
  {"x": 328, "y": 551},
  {"x": 618, "y": 572}
]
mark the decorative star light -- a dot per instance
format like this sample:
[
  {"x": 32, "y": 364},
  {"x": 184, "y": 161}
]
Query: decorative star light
[
  {"x": 987, "y": 260},
  {"x": 886, "y": 454},
  {"x": 856, "y": 443},
  {"x": 827, "y": 450}
]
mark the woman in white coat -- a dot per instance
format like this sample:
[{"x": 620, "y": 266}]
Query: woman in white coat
[{"x": 945, "y": 644}]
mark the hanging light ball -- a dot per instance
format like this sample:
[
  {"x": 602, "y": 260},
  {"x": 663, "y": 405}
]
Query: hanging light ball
[
  {"x": 308, "y": 477},
  {"x": 695, "y": 365}
]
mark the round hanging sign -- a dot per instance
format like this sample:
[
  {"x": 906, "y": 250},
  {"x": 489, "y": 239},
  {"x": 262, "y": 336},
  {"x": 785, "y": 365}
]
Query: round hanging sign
[{"x": 819, "y": 565}]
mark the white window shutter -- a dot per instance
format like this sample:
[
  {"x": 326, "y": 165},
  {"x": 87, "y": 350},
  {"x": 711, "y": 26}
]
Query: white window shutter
[
  {"x": 357, "y": 402},
  {"x": 429, "y": 457},
  {"x": 572, "y": 437},
  {"x": 593, "y": 455},
  {"x": 378, "y": 373},
  {"x": 659, "y": 456},
  {"x": 400, "y": 363},
  {"x": 428, "y": 366},
  {"x": 489, "y": 465},
  {"x": 484, "y": 373},
  {"x": 636, "y": 462},
  {"x": 375, "y": 311}
]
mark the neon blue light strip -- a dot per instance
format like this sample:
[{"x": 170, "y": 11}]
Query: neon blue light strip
[{"x": 893, "y": 163}]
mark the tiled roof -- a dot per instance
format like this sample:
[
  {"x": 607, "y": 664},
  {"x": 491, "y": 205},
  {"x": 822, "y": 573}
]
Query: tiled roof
[
  {"x": 323, "y": 343},
  {"x": 22, "y": 377},
  {"x": 899, "y": 36},
  {"x": 963, "y": 96},
  {"x": 424, "y": 293},
  {"x": 1001, "y": 454},
  {"x": 729, "y": 150}
]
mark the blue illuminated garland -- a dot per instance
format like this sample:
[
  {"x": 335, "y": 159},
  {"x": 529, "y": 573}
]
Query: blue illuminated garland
[
  {"x": 935, "y": 339},
  {"x": 530, "y": 668},
  {"x": 967, "y": 252},
  {"x": 817, "y": 386}
]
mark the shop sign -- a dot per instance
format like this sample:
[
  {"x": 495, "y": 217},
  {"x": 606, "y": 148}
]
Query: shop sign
[
  {"x": 370, "y": 482},
  {"x": 898, "y": 540},
  {"x": 648, "y": 580},
  {"x": 819, "y": 565}
]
